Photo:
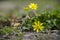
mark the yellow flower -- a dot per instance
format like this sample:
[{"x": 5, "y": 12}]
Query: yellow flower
[
  {"x": 37, "y": 26},
  {"x": 26, "y": 8},
  {"x": 33, "y": 6},
  {"x": 16, "y": 24}
]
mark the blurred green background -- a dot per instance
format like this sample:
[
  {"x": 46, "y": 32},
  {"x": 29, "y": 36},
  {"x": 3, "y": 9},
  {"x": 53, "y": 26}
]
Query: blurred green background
[{"x": 17, "y": 6}]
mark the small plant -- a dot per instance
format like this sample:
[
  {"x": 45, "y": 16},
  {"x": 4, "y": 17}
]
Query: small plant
[
  {"x": 49, "y": 18},
  {"x": 8, "y": 30}
]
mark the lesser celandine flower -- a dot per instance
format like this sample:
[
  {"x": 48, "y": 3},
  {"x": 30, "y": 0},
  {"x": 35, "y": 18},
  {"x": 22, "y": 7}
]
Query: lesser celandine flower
[
  {"x": 33, "y": 6},
  {"x": 26, "y": 8},
  {"x": 38, "y": 26}
]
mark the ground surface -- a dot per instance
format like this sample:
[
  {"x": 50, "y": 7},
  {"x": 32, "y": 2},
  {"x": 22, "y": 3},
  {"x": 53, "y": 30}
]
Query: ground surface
[
  {"x": 41, "y": 36},
  {"x": 34, "y": 36}
]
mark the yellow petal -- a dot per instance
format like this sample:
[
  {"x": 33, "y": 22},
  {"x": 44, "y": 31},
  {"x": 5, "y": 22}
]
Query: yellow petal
[
  {"x": 37, "y": 30},
  {"x": 34, "y": 29}
]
